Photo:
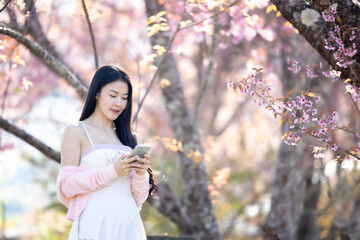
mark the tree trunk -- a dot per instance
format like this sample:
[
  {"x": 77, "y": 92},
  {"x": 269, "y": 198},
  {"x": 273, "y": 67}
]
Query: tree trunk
[
  {"x": 287, "y": 192},
  {"x": 293, "y": 196},
  {"x": 307, "y": 227},
  {"x": 197, "y": 200}
]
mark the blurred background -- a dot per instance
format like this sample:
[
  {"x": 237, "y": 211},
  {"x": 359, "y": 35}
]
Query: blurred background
[{"x": 241, "y": 146}]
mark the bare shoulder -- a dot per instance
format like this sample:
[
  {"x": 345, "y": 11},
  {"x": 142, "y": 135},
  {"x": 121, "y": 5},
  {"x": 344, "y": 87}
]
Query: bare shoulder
[
  {"x": 71, "y": 145},
  {"x": 72, "y": 133}
]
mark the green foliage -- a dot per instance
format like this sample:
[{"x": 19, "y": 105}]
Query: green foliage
[
  {"x": 241, "y": 176},
  {"x": 155, "y": 223}
]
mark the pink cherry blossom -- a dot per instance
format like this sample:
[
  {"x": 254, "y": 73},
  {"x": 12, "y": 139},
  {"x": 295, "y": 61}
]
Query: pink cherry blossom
[
  {"x": 322, "y": 131},
  {"x": 334, "y": 147},
  {"x": 319, "y": 155},
  {"x": 295, "y": 68}
]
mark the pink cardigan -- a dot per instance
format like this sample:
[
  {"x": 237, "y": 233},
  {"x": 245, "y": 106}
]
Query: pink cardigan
[{"x": 75, "y": 184}]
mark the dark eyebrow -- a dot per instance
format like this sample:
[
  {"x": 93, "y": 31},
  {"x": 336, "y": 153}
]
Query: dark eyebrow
[{"x": 111, "y": 90}]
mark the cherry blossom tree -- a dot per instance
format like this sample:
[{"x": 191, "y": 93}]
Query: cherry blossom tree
[{"x": 222, "y": 31}]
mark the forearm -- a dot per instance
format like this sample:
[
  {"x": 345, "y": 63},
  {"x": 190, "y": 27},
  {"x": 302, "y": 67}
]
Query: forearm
[
  {"x": 140, "y": 187},
  {"x": 72, "y": 182}
]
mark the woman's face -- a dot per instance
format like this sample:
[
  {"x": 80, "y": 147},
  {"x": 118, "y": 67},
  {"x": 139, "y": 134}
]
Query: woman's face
[{"x": 112, "y": 99}]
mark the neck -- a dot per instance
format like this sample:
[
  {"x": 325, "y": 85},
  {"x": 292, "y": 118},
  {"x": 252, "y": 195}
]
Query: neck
[{"x": 99, "y": 120}]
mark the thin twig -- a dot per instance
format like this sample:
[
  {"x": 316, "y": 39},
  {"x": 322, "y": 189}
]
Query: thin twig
[
  {"x": 212, "y": 16},
  {"x": 229, "y": 229},
  {"x": 6, "y": 93},
  {"x": 6, "y": 90},
  {"x": 3, "y": 8},
  {"x": 236, "y": 112},
  {"x": 91, "y": 34},
  {"x": 342, "y": 128},
  {"x": 168, "y": 48},
  {"x": 352, "y": 99},
  {"x": 340, "y": 148},
  {"x": 207, "y": 80},
  {"x": 297, "y": 128},
  {"x": 158, "y": 68}
]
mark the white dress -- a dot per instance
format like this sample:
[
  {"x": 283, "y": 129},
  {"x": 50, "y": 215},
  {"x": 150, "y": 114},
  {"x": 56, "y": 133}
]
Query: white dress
[{"x": 111, "y": 212}]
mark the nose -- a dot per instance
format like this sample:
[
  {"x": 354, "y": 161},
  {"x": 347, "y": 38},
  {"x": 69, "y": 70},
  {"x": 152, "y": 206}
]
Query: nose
[{"x": 118, "y": 102}]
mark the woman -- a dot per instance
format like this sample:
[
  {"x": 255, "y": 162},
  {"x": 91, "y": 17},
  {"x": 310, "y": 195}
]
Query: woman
[{"x": 102, "y": 188}]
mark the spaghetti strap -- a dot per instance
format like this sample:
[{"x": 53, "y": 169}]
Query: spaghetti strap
[{"x": 87, "y": 133}]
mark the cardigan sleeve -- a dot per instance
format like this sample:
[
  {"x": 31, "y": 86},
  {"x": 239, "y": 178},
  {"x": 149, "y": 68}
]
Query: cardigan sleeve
[
  {"x": 76, "y": 180},
  {"x": 139, "y": 187}
]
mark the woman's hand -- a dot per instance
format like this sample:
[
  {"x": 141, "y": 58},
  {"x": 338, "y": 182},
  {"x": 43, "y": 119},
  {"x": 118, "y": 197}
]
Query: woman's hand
[
  {"x": 123, "y": 166},
  {"x": 141, "y": 164}
]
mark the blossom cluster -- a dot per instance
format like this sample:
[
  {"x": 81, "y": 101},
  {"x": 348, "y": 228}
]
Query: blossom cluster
[
  {"x": 310, "y": 73},
  {"x": 305, "y": 119},
  {"x": 355, "y": 91},
  {"x": 332, "y": 74},
  {"x": 330, "y": 16},
  {"x": 256, "y": 87},
  {"x": 295, "y": 67},
  {"x": 301, "y": 111},
  {"x": 343, "y": 54}
]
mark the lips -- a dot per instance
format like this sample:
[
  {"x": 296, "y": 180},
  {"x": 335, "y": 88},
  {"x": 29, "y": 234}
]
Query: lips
[{"x": 115, "y": 111}]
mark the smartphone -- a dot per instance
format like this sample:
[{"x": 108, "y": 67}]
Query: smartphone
[{"x": 139, "y": 150}]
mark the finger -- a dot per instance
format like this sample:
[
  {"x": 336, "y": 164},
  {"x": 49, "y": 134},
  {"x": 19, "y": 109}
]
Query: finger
[
  {"x": 139, "y": 160},
  {"x": 123, "y": 156},
  {"x": 142, "y": 160},
  {"x": 127, "y": 166},
  {"x": 139, "y": 166},
  {"x": 133, "y": 159},
  {"x": 128, "y": 160},
  {"x": 136, "y": 166}
]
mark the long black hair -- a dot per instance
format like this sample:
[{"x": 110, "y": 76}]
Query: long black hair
[{"x": 104, "y": 75}]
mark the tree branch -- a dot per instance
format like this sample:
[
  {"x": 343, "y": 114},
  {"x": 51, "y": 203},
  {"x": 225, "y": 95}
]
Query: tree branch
[
  {"x": 35, "y": 30},
  {"x": 207, "y": 80},
  {"x": 47, "y": 59},
  {"x": 236, "y": 112},
  {"x": 226, "y": 9},
  {"x": 13, "y": 19},
  {"x": 36, "y": 143},
  {"x": 170, "y": 206},
  {"x": 317, "y": 31},
  {"x": 91, "y": 34},
  {"x": 3, "y": 8},
  {"x": 164, "y": 55}
]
